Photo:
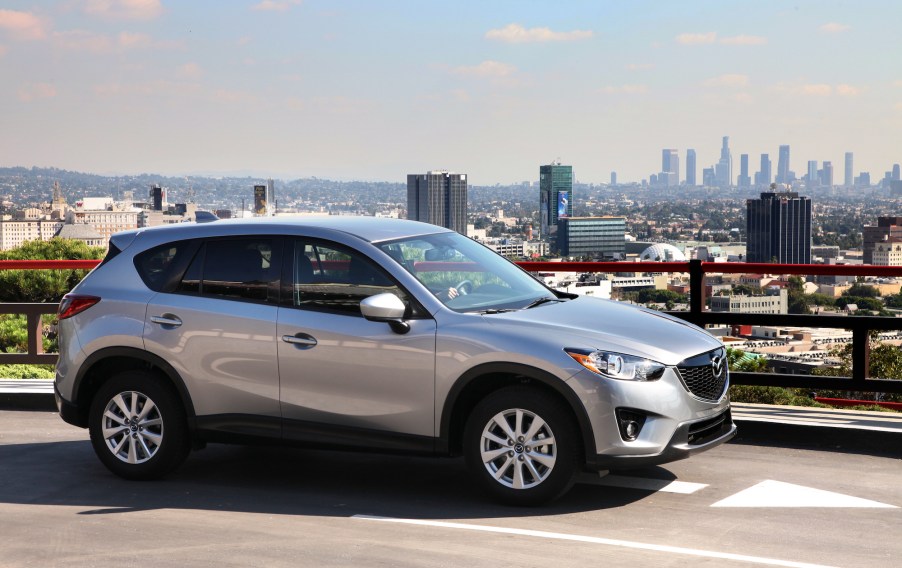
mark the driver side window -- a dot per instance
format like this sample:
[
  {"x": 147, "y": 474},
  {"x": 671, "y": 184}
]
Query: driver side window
[{"x": 335, "y": 279}]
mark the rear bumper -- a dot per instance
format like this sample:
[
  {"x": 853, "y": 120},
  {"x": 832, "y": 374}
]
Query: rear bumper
[{"x": 68, "y": 411}]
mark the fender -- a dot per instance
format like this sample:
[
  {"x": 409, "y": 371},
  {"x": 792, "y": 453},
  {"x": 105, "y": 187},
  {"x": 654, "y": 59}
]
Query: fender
[
  {"x": 517, "y": 370},
  {"x": 107, "y": 353}
]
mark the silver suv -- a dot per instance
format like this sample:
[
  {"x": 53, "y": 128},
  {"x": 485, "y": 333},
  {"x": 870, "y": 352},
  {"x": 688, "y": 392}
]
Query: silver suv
[{"x": 375, "y": 334}]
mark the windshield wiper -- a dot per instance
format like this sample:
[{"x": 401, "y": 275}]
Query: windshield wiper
[
  {"x": 540, "y": 301},
  {"x": 496, "y": 311}
]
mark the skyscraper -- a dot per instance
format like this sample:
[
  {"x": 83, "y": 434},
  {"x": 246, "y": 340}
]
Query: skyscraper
[
  {"x": 670, "y": 168},
  {"x": 813, "y": 180},
  {"x": 555, "y": 195},
  {"x": 897, "y": 173},
  {"x": 691, "y": 168},
  {"x": 827, "y": 175},
  {"x": 744, "y": 180},
  {"x": 764, "y": 176},
  {"x": 849, "y": 176},
  {"x": 778, "y": 226},
  {"x": 783, "y": 165},
  {"x": 613, "y": 178},
  {"x": 724, "y": 168},
  {"x": 440, "y": 198}
]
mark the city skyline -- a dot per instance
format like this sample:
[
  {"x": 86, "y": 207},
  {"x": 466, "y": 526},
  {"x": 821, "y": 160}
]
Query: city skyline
[{"x": 291, "y": 89}]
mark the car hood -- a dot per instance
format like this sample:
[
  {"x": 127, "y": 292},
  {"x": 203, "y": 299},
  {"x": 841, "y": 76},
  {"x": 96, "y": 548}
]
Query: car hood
[{"x": 604, "y": 324}]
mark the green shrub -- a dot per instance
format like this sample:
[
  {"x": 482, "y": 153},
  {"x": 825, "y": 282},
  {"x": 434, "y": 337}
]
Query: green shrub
[
  {"x": 26, "y": 372},
  {"x": 773, "y": 395}
]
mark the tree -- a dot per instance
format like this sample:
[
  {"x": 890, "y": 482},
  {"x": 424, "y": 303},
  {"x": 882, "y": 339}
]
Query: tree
[
  {"x": 44, "y": 285},
  {"x": 885, "y": 362},
  {"x": 861, "y": 291}
]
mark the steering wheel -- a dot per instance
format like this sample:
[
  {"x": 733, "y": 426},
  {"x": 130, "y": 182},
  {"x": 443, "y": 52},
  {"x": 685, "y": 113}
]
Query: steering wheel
[{"x": 464, "y": 287}]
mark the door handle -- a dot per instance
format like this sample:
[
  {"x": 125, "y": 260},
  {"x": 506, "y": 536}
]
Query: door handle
[
  {"x": 167, "y": 320},
  {"x": 300, "y": 339}
]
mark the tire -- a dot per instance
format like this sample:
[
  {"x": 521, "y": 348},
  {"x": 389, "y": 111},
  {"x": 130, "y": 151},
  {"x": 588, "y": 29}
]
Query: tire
[
  {"x": 138, "y": 426},
  {"x": 504, "y": 449}
]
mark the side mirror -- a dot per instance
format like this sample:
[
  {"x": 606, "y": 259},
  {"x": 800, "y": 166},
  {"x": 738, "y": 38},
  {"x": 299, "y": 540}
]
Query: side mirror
[{"x": 388, "y": 308}]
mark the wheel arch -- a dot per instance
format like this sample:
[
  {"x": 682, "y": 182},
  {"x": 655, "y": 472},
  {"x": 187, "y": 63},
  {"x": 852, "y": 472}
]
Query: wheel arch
[
  {"x": 484, "y": 379},
  {"x": 105, "y": 363}
]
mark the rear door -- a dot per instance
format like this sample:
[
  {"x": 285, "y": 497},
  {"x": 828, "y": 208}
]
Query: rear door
[{"x": 217, "y": 327}]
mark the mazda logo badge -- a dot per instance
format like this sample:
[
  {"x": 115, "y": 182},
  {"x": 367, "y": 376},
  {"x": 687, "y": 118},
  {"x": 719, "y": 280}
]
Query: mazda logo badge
[{"x": 717, "y": 365}]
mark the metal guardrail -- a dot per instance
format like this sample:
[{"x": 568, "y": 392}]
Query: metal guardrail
[{"x": 697, "y": 314}]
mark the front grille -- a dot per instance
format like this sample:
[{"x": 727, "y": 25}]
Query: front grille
[
  {"x": 705, "y": 376},
  {"x": 711, "y": 429}
]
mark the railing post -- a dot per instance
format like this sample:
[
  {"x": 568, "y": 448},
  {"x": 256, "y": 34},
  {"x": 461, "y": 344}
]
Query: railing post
[
  {"x": 35, "y": 333},
  {"x": 861, "y": 356},
  {"x": 696, "y": 287}
]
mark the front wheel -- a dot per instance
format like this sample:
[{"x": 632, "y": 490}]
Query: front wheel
[
  {"x": 521, "y": 446},
  {"x": 138, "y": 426}
]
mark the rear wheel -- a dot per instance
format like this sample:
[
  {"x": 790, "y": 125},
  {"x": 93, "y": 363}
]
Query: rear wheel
[
  {"x": 521, "y": 446},
  {"x": 138, "y": 426}
]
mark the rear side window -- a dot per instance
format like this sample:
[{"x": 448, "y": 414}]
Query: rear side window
[
  {"x": 159, "y": 266},
  {"x": 241, "y": 269}
]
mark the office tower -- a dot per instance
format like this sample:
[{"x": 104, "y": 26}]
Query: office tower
[
  {"x": 593, "y": 237},
  {"x": 440, "y": 198},
  {"x": 863, "y": 179},
  {"x": 763, "y": 176},
  {"x": 813, "y": 180},
  {"x": 670, "y": 168},
  {"x": 744, "y": 180},
  {"x": 156, "y": 198},
  {"x": 896, "y": 172},
  {"x": 849, "y": 176},
  {"x": 270, "y": 197},
  {"x": 613, "y": 178},
  {"x": 691, "y": 168},
  {"x": 827, "y": 174},
  {"x": 778, "y": 226},
  {"x": 783, "y": 165},
  {"x": 724, "y": 168},
  {"x": 708, "y": 177},
  {"x": 555, "y": 195},
  {"x": 887, "y": 229}
]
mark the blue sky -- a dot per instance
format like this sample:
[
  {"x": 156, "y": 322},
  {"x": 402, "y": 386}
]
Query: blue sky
[{"x": 374, "y": 90}]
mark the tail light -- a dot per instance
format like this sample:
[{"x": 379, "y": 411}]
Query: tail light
[{"x": 75, "y": 304}]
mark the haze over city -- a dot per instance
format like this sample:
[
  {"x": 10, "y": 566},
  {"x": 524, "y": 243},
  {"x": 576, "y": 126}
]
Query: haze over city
[{"x": 373, "y": 91}]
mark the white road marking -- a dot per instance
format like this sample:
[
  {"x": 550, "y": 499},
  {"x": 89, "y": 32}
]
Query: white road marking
[
  {"x": 778, "y": 494},
  {"x": 595, "y": 540},
  {"x": 648, "y": 484}
]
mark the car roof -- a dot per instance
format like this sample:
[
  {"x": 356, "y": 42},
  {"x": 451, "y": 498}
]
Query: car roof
[{"x": 370, "y": 229}]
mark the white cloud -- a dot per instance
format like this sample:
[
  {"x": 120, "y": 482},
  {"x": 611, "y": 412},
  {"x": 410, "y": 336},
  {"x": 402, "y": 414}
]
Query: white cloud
[
  {"x": 128, "y": 40},
  {"x": 833, "y": 28},
  {"x": 486, "y": 69},
  {"x": 23, "y": 25},
  {"x": 847, "y": 90},
  {"x": 624, "y": 89},
  {"x": 728, "y": 80},
  {"x": 34, "y": 91},
  {"x": 275, "y": 5},
  {"x": 743, "y": 40},
  {"x": 818, "y": 90},
  {"x": 190, "y": 71},
  {"x": 124, "y": 9},
  {"x": 697, "y": 39},
  {"x": 639, "y": 66},
  {"x": 515, "y": 33}
]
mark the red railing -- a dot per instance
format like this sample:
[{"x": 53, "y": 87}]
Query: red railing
[{"x": 860, "y": 325}]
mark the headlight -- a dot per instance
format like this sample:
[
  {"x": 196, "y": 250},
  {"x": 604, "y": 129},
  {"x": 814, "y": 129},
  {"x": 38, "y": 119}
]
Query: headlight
[{"x": 617, "y": 365}]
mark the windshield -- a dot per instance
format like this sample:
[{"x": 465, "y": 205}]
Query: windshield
[{"x": 465, "y": 275}]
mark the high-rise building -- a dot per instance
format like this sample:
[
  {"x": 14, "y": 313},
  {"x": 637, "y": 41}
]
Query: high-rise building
[
  {"x": 555, "y": 195},
  {"x": 887, "y": 229},
  {"x": 849, "y": 176},
  {"x": 691, "y": 168},
  {"x": 827, "y": 175},
  {"x": 783, "y": 165},
  {"x": 670, "y": 168},
  {"x": 724, "y": 168},
  {"x": 744, "y": 180},
  {"x": 763, "y": 177},
  {"x": 440, "y": 198},
  {"x": 595, "y": 237},
  {"x": 613, "y": 178},
  {"x": 813, "y": 179},
  {"x": 778, "y": 226},
  {"x": 897, "y": 173}
]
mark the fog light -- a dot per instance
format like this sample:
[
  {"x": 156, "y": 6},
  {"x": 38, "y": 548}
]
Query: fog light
[{"x": 630, "y": 423}]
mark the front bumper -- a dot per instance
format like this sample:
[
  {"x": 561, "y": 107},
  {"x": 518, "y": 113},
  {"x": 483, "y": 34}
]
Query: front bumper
[{"x": 688, "y": 439}]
